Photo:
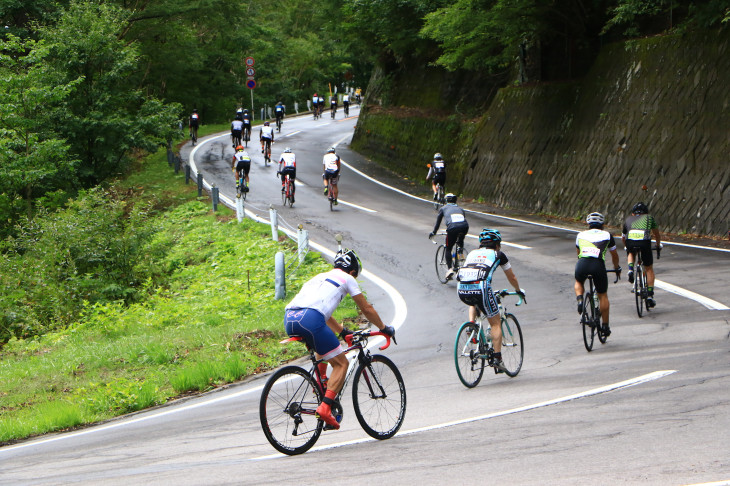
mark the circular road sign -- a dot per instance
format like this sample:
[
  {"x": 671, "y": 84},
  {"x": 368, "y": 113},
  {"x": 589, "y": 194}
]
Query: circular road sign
[
  {"x": 249, "y": 61},
  {"x": 250, "y": 84},
  {"x": 250, "y": 71}
]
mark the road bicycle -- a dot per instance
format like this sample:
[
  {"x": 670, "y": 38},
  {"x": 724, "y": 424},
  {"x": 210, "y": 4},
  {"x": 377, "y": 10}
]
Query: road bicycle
[
  {"x": 241, "y": 186},
  {"x": 279, "y": 122},
  {"x": 315, "y": 112},
  {"x": 330, "y": 194},
  {"x": 347, "y": 110},
  {"x": 333, "y": 111},
  {"x": 474, "y": 349},
  {"x": 194, "y": 135},
  {"x": 246, "y": 135},
  {"x": 267, "y": 152},
  {"x": 440, "y": 197},
  {"x": 640, "y": 290},
  {"x": 590, "y": 318},
  {"x": 292, "y": 394},
  {"x": 457, "y": 259},
  {"x": 287, "y": 193}
]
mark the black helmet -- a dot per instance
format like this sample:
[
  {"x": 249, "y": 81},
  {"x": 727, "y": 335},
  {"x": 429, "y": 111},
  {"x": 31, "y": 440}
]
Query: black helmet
[
  {"x": 640, "y": 208},
  {"x": 347, "y": 260},
  {"x": 450, "y": 198}
]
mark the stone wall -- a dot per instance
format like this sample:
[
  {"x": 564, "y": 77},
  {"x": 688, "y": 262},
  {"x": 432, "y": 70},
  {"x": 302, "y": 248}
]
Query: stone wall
[{"x": 650, "y": 122}]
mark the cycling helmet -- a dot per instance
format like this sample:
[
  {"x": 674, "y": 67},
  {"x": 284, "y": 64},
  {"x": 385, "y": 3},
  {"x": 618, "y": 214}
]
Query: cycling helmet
[
  {"x": 266, "y": 124},
  {"x": 347, "y": 260},
  {"x": 239, "y": 148},
  {"x": 195, "y": 110},
  {"x": 437, "y": 156},
  {"x": 595, "y": 218},
  {"x": 450, "y": 198},
  {"x": 245, "y": 111},
  {"x": 490, "y": 235},
  {"x": 331, "y": 150},
  {"x": 640, "y": 208},
  {"x": 287, "y": 150}
]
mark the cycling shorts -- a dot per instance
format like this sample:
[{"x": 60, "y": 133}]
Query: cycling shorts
[
  {"x": 332, "y": 176},
  {"x": 642, "y": 246},
  {"x": 243, "y": 165},
  {"x": 595, "y": 267},
  {"x": 292, "y": 171},
  {"x": 310, "y": 325},
  {"x": 480, "y": 295},
  {"x": 236, "y": 133},
  {"x": 439, "y": 178}
]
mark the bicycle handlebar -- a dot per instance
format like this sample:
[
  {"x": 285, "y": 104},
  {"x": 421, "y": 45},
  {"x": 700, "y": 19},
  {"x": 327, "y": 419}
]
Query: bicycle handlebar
[
  {"x": 505, "y": 292},
  {"x": 617, "y": 271},
  {"x": 368, "y": 333}
]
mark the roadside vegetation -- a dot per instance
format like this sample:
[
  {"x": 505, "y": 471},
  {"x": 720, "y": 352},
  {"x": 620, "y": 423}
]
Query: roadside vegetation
[{"x": 172, "y": 299}]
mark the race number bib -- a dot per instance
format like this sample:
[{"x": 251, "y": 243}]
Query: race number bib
[
  {"x": 457, "y": 218},
  {"x": 468, "y": 274},
  {"x": 590, "y": 251}
]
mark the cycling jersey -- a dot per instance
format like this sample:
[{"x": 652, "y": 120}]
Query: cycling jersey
[
  {"x": 593, "y": 243},
  {"x": 194, "y": 119},
  {"x": 242, "y": 161},
  {"x": 236, "y": 125},
  {"x": 279, "y": 110},
  {"x": 331, "y": 162},
  {"x": 267, "y": 133},
  {"x": 346, "y": 99},
  {"x": 324, "y": 292},
  {"x": 288, "y": 159},
  {"x": 475, "y": 279},
  {"x": 638, "y": 227},
  {"x": 438, "y": 166},
  {"x": 247, "y": 120},
  {"x": 453, "y": 216}
]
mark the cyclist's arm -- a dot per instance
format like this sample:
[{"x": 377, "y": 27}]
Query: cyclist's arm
[
  {"x": 614, "y": 257},
  {"x": 657, "y": 238},
  {"x": 438, "y": 221},
  {"x": 368, "y": 310},
  {"x": 336, "y": 327},
  {"x": 512, "y": 278}
]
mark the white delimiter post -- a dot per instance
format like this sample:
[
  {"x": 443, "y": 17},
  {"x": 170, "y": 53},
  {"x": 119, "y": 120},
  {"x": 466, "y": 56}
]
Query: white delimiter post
[
  {"x": 279, "y": 277},
  {"x": 303, "y": 241},
  {"x": 240, "y": 214},
  {"x": 274, "y": 223}
]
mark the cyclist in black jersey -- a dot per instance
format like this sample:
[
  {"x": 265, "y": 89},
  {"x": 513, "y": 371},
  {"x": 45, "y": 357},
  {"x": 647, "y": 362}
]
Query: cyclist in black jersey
[
  {"x": 456, "y": 228},
  {"x": 636, "y": 235}
]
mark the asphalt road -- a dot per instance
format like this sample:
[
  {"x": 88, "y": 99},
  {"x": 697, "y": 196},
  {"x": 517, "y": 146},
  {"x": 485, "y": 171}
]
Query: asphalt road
[{"x": 651, "y": 406}]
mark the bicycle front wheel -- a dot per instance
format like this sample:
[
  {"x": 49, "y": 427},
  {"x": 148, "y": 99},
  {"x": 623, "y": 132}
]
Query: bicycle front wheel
[
  {"x": 512, "y": 349},
  {"x": 467, "y": 357},
  {"x": 586, "y": 320},
  {"x": 441, "y": 267},
  {"x": 287, "y": 407},
  {"x": 379, "y": 397}
]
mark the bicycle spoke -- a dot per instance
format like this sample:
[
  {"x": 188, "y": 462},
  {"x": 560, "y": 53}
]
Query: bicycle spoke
[
  {"x": 379, "y": 397},
  {"x": 467, "y": 357}
]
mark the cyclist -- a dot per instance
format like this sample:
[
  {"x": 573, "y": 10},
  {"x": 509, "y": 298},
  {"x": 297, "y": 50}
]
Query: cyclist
[
  {"x": 309, "y": 315},
  {"x": 331, "y": 163},
  {"x": 288, "y": 165},
  {"x": 246, "y": 119},
  {"x": 333, "y": 105},
  {"x": 591, "y": 246},
  {"x": 236, "y": 129},
  {"x": 320, "y": 104},
  {"x": 346, "y": 103},
  {"x": 636, "y": 236},
  {"x": 193, "y": 123},
  {"x": 266, "y": 136},
  {"x": 437, "y": 171},
  {"x": 279, "y": 111},
  {"x": 456, "y": 228},
  {"x": 315, "y": 103},
  {"x": 239, "y": 114},
  {"x": 475, "y": 286},
  {"x": 241, "y": 162}
]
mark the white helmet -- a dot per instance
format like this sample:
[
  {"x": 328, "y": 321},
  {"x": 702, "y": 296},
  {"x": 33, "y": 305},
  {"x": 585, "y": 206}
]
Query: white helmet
[{"x": 595, "y": 218}]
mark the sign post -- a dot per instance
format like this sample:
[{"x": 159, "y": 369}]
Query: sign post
[{"x": 250, "y": 81}]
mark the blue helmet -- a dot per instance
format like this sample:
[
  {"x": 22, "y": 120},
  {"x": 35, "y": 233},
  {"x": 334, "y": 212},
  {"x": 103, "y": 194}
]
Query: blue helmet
[{"x": 490, "y": 235}]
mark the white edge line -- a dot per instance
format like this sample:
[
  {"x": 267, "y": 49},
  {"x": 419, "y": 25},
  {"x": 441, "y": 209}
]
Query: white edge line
[
  {"x": 356, "y": 206},
  {"x": 706, "y": 301},
  {"x": 515, "y": 245},
  {"x": 595, "y": 391}
]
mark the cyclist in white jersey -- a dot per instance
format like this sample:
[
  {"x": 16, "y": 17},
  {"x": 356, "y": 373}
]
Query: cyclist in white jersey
[
  {"x": 437, "y": 172},
  {"x": 331, "y": 163},
  {"x": 266, "y": 134},
  {"x": 236, "y": 130},
  {"x": 288, "y": 165},
  {"x": 309, "y": 315}
]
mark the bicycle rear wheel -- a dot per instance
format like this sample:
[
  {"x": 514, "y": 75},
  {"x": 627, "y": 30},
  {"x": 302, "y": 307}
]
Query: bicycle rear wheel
[
  {"x": 379, "y": 397},
  {"x": 441, "y": 267},
  {"x": 586, "y": 320},
  {"x": 467, "y": 357},
  {"x": 638, "y": 291},
  {"x": 512, "y": 350},
  {"x": 286, "y": 410}
]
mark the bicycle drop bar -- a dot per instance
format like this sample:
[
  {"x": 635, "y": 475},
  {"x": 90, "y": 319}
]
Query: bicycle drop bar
[
  {"x": 505, "y": 292},
  {"x": 361, "y": 335}
]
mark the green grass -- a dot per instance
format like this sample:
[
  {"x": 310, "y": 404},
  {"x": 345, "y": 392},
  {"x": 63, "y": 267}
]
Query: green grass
[{"x": 214, "y": 321}]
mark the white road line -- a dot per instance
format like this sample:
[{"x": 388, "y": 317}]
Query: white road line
[
  {"x": 595, "y": 391},
  {"x": 292, "y": 133},
  {"x": 706, "y": 301},
  {"x": 340, "y": 201},
  {"x": 515, "y": 245}
]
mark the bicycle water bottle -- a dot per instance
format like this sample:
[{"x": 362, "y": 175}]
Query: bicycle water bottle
[{"x": 595, "y": 300}]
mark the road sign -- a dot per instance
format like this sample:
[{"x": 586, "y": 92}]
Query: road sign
[
  {"x": 249, "y": 61},
  {"x": 250, "y": 72},
  {"x": 250, "y": 84}
]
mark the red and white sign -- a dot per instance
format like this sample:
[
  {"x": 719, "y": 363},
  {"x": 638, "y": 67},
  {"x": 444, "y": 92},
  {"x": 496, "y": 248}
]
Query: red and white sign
[
  {"x": 250, "y": 72},
  {"x": 249, "y": 61}
]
